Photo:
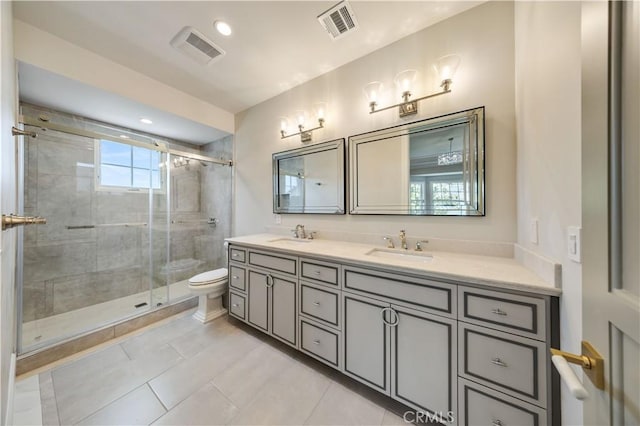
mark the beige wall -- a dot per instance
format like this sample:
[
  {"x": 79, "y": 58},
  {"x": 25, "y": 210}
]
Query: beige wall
[
  {"x": 548, "y": 111},
  {"x": 483, "y": 37},
  {"x": 35, "y": 47}
]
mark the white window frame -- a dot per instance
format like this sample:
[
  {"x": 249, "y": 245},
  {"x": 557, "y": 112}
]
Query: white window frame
[{"x": 97, "y": 148}]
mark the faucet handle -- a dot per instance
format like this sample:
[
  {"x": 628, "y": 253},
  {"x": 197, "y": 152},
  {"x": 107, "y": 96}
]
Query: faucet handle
[
  {"x": 389, "y": 241},
  {"x": 311, "y": 235},
  {"x": 419, "y": 244}
]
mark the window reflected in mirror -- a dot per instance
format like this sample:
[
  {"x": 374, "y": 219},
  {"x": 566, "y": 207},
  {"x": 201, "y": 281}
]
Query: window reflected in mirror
[
  {"x": 310, "y": 179},
  {"x": 429, "y": 167}
]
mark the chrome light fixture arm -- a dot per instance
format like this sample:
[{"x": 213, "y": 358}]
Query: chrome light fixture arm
[
  {"x": 409, "y": 107},
  {"x": 305, "y": 134}
]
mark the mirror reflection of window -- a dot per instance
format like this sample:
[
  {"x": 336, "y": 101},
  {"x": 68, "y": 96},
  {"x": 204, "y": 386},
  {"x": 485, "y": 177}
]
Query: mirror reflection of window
[
  {"x": 310, "y": 179},
  {"x": 437, "y": 169},
  {"x": 429, "y": 167}
]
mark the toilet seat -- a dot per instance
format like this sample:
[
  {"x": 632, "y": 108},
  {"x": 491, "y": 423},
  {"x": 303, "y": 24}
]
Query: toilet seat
[{"x": 209, "y": 277}]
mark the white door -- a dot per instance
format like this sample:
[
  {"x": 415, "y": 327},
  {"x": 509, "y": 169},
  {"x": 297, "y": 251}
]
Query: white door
[
  {"x": 611, "y": 206},
  {"x": 8, "y": 182}
]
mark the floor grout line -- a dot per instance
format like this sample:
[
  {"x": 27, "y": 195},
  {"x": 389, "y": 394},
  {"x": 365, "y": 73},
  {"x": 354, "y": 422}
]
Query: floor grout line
[{"x": 318, "y": 403}]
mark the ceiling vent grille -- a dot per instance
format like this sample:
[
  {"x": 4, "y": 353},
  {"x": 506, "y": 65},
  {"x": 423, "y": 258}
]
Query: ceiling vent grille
[
  {"x": 339, "y": 20},
  {"x": 193, "y": 43}
]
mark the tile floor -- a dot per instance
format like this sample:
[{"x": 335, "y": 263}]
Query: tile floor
[{"x": 182, "y": 372}]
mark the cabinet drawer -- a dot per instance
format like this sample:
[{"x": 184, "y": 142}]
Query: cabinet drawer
[
  {"x": 484, "y": 406},
  {"x": 319, "y": 304},
  {"x": 326, "y": 273},
  {"x": 237, "y": 255},
  {"x": 513, "y": 364},
  {"x": 319, "y": 342},
  {"x": 503, "y": 311},
  {"x": 236, "y": 305},
  {"x": 420, "y": 292},
  {"x": 275, "y": 262},
  {"x": 237, "y": 278}
]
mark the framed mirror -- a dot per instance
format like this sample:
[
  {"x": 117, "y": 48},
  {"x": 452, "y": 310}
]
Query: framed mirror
[
  {"x": 310, "y": 179},
  {"x": 430, "y": 167}
]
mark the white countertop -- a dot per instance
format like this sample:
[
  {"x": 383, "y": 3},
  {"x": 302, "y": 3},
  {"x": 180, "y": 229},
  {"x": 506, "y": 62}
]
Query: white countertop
[{"x": 500, "y": 272}]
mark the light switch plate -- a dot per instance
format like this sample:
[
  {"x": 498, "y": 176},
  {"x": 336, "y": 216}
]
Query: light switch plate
[
  {"x": 574, "y": 243},
  {"x": 277, "y": 219}
]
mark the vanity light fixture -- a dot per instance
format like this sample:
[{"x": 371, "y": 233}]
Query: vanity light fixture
[
  {"x": 445, "y": 67},
  {"x": 320, "y": 110}
]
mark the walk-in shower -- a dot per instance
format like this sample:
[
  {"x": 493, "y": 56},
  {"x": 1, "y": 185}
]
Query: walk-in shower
[{"x": 130, "y": 218}]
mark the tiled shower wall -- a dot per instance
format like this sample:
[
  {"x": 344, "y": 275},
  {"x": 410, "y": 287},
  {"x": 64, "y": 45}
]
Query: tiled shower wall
[{"x": 67, "y": 269}]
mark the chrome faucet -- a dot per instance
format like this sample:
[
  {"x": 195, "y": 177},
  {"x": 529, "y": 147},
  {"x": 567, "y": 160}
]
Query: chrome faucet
[
  {"x": 389, "y": 241},
  {"x": 299, "y": 232},
  {"x": 403, "y": 239},
  {"x": 419, "y": 244}
]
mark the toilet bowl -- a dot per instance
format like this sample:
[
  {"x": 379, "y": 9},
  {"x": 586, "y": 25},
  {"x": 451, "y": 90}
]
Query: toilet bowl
[{"x": 209, "y": 286}]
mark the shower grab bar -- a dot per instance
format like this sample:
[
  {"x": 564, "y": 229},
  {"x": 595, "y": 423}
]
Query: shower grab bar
[{"x": 105, "y": 225}]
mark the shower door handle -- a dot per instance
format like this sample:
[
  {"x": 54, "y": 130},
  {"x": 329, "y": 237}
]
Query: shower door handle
[{"x": 11, "y": 221}]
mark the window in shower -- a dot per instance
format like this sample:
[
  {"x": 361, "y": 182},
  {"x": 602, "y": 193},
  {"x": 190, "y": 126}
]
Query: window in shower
[{"x": 127, "y": 166}]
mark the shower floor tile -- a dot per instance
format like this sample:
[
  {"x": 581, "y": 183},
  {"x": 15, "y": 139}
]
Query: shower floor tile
[
  {"x": 233, "y": 375},
  {"x": 57, "y": 327}
]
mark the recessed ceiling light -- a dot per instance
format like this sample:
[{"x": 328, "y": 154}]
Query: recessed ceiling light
[
  {"x": 124, "y": 136},
  {"x": 222, "y": 27},
  {"x": 146, "y": 121}
]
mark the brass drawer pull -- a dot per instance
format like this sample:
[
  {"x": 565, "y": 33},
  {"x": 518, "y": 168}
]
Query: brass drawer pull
[
  {"x": 317, "y": 272},
  {"x": 235, "y": 305},
  {"x": 235, "y": 255},
  {"x": 235, "y": 277},
  {"x": 499, "y": 311},
  {"x": 498, "y": 362},
  {"x": 316, "y": 303},
  {"x": 316, "y": 342}
]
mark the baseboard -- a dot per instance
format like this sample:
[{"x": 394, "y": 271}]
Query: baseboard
[{"x": 11, "y": 390}]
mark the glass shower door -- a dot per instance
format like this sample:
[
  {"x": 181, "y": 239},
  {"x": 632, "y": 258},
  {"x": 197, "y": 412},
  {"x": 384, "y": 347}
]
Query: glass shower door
[{"x": 93, "y": 262}]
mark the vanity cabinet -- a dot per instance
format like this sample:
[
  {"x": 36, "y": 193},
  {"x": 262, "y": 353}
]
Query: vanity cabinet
[
  {"x": 320, "y": 311},
  {"x": 503, "y": 359},
  {"x": 405, "y": 353},
  {"x": 465, "y": 354},
  {"x": 270, "y": 303}
]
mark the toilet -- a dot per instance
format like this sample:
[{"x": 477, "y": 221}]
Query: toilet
[{"x": 209, "y": 286}]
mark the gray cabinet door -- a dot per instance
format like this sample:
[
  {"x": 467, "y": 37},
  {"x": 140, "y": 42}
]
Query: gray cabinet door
[
  {"x": 424, "y": 371},
  {"x": 366, "y": 342},
  {"x": 258, "y": 306},
  {"x": 283, "y": 310}
]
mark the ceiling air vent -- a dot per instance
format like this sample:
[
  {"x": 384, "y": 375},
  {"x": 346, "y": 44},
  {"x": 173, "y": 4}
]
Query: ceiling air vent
[
  {"x": 193, "y": 43},
  {"x": 339, "y": 20}
]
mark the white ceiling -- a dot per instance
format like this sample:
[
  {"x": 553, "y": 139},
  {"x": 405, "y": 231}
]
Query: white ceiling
[{"x": 275, "y": 45}]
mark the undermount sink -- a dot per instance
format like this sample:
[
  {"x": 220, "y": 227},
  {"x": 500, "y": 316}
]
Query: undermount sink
[
  {"x": 289, "y": 240},
  {"x": 410, "y": 256}
]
